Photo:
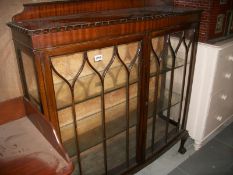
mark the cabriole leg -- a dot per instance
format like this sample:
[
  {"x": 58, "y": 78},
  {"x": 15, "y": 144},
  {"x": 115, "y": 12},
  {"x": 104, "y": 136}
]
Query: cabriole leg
[{"x": 182, "y": 149}]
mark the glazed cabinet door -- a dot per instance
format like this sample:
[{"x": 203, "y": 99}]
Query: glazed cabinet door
[
  {"x": 170, "y": 56},
  {"x": 97, "y": 95}
]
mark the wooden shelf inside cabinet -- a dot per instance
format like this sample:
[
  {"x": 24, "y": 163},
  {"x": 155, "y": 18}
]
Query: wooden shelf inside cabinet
[
  {"x": 115, "y": 123},
  {"x": 115, "y": 73},
  {"x": 116, "y": 143},
  {"x": 29, "y": 144},
  {"x": 113, "y": 77}
]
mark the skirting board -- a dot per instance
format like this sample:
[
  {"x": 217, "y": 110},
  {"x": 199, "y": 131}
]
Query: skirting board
[{"x": 199, "y": 143}]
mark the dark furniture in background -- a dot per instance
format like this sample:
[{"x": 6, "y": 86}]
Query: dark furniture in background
[
  {"x": 114, "y": 77},
  {"x": 28, "y": 143}
]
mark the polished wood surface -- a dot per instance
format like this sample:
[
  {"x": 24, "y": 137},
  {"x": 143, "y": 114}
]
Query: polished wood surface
[
  {"x": 11, "y": 110},
  {"x": 41, "y": 10},
  {"x": 28, "y": 143}
]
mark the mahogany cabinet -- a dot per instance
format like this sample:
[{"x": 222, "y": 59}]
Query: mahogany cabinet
[{"x": 114, "y": 77}]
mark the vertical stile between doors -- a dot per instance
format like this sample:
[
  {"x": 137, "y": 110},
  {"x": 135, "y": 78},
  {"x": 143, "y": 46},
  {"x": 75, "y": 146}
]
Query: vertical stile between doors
[{"x": 143, "y": 99}]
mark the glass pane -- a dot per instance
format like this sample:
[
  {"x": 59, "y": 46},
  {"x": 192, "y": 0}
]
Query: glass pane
[
  {"x": 31, "y": 79},
  {"x": 132, "y": 144},
  {"x": 116, "y": 151},
  {"x": 183, "y": 51},
  {"x": 167, "y": 62},
  {"x": 92, "y": 161},
  {"x": 130, "y": 54},
  {"x": 76, "y": 167},
  {"x": 177, "y": 87}
]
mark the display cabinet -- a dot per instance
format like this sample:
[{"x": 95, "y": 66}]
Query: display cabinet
[{"x": 114, "y": 77}]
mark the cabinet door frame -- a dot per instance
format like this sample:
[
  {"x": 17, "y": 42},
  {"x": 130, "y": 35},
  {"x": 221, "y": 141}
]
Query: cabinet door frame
[
  {"x": 92, "y": 45},
  {"x": 193, "y": 48}
]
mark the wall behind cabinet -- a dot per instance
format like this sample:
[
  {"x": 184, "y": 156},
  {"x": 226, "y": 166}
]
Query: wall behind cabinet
[{"x": 10, "y": 85}]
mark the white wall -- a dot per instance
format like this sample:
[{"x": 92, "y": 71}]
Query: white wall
[{"x": 10, "y": 85}]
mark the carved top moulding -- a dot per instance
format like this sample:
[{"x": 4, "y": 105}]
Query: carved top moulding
[{"x": 40, "y": 18}]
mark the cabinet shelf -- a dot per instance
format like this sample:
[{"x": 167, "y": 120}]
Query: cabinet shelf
[
  {"x": 61, "y": 104},
  {"x": 117, "y": 153},
  {"x": 115, "y": 124}
]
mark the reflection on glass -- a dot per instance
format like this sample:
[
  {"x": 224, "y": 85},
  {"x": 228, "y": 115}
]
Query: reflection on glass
[{"x": 92, "y": 160}]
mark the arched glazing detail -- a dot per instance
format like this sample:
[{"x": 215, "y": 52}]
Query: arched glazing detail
[
  {"x": 169, "y": 67},
  {"x": 98, "y": 100}
]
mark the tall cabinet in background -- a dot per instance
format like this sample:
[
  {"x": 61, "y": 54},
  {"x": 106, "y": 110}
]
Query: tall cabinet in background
[
  {"x": 113, "y": 77},
  {"x": 211, "y": 106}
]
